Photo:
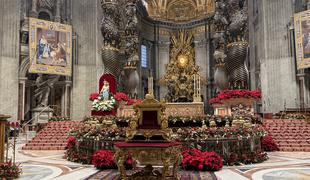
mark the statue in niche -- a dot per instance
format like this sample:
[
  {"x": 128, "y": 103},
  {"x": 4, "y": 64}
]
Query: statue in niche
[
  {"x": 44, "y": 84},
  {"x": 105, "y": 91}
]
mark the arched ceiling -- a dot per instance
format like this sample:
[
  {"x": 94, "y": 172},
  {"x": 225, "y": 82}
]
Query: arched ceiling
[{"x": 179, "y": 10}]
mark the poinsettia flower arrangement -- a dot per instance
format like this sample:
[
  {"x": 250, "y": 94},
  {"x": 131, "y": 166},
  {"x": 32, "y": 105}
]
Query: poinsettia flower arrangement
[
  {"x": 268, "y": 144},
  {"x": 99, "y": 104},
  {"x": 10, "y": 170},
  {"x": 194, "y": 159},
  {"x": 120, "y": 96},
  {"x": 103, "y": 159},
  {"x": 240, "y": 93},
  {"x": 93, "y": 96}
]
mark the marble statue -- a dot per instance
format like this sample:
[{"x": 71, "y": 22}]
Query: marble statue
[{"x": 44, "y": 84}]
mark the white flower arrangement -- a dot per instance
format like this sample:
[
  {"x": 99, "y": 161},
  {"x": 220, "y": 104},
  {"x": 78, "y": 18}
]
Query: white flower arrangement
[{"x": 100, "y": 105}]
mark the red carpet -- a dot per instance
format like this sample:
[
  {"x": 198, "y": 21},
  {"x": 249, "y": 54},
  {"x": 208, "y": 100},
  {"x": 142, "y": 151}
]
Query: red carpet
[
  {"x": 52, "y": 137},
  {"x": 290, "y": 135}
]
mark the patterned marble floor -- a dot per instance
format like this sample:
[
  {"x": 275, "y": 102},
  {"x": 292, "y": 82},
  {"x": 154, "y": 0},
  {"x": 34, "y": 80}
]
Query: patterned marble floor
[{"x": 45, "y": 165}]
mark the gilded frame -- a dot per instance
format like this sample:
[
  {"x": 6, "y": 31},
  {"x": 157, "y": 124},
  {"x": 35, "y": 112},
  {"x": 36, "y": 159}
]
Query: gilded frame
[
  {"x": 50, "y": 47},
  {"x": 302, "y": 39}
]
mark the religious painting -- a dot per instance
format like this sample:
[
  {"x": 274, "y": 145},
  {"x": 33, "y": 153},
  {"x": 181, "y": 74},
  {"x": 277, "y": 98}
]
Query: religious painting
[
  {"x": 302, "y": 39},
  {"x": 50, "y": 47}
]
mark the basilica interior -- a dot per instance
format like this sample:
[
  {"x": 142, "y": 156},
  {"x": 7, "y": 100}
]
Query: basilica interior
[{"x": 154, "y": 89}]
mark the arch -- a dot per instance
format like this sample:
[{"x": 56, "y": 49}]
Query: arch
[
  {"x": 45, "y": 13},
  {"x": 24, "y": 67}
]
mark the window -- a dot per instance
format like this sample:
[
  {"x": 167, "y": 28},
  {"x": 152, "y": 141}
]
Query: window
[
  {"x": 44, "y": 15},
  {"x": 143, "y": 56}
]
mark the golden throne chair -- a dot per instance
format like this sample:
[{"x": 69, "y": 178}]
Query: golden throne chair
[{"x": 149, "y": 122}]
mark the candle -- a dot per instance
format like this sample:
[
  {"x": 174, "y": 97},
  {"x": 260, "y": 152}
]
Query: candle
[
  {"x": 198, "y": 91},
  {"x": 194, "y": 84},
  {"x": 151, "y": 85}
]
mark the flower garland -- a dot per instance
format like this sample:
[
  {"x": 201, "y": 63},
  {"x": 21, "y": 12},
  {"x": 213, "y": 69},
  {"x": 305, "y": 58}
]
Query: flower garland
[
  {"x": 228, "y": 94},
  {"x": 100, "y": 105}
]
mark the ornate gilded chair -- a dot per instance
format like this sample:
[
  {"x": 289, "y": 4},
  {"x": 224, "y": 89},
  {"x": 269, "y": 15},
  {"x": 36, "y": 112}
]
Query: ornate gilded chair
[{"x": 149, "y": 122}]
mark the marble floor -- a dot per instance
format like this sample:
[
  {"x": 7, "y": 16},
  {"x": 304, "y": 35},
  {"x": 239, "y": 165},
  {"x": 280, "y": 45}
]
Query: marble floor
[{"x": 44, "y": 165}]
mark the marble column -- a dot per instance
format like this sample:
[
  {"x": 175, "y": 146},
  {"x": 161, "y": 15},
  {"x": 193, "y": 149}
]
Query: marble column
[
  {"x": 67, "y": 98},
  {"x": 22, "y": 98},
  {"x": 9, "y": 56},
  {"x": 163, "y": 60},
  {"x": 58, "y": 6},
  {"x": 34, "y": 12},
  {"x": 88, "y": 56}
]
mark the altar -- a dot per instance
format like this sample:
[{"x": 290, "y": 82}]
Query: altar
[
  {"x": 184, "y": 109},
  {"x": 165, "y": 154}
]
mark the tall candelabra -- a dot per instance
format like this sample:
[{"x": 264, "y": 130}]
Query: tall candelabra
[{"x": 197, "y": 88}]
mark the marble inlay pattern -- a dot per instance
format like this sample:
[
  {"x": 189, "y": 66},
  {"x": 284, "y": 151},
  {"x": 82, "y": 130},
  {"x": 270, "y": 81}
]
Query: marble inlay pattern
[
  {"x": 283, "y": 174},
  {"x": 44, "y": 165},
  {"x": 39, "y": 172}
]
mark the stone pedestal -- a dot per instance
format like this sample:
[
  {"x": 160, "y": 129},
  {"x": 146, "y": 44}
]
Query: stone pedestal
[{"x": 41, "y": 115}]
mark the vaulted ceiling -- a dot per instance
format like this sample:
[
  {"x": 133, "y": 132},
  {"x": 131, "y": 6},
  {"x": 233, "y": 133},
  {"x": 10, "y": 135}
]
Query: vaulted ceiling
[{"x": 179, "y": 10}]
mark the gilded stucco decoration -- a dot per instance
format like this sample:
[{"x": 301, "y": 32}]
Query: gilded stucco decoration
[
  {"x": 180, "y": 71},
  {"x": 179, "y": 10}
]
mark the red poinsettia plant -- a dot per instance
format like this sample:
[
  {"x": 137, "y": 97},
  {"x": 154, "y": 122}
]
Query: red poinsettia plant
[
  {"x": 268, "y": 143},
  {"x": 194, "y": 159},
  {"x": 239, "y": 93},
  {"x": 120, "y": 96},
  {"x": 103, "y": 159},
  {"x": 71, "y": 142},
  {"x": 93, "y": 96},
  {"x": 9, "y": 170}
]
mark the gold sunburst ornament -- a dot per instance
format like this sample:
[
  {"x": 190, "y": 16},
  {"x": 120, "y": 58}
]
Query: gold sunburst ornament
[
  {"x": 182, "y": 69},
  {"x": 182, "y": 61}
]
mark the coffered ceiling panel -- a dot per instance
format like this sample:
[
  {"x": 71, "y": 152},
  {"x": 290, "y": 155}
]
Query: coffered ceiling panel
[{"x": 179, "y": 10}]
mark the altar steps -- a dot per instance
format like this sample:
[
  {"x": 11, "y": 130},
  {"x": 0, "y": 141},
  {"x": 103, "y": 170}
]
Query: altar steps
[
  {"x": 53, "y": 136},
  {"x": 289, "y": 134}
]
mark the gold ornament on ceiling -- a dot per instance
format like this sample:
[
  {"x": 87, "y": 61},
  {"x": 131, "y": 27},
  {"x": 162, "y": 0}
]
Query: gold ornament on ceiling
[{"x": 179, "y": 10}]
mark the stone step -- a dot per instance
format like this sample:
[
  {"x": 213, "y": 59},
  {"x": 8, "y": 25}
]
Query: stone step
[
  {"x": 290, "y": 135},
  {"x": 54, "y": 136}
]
